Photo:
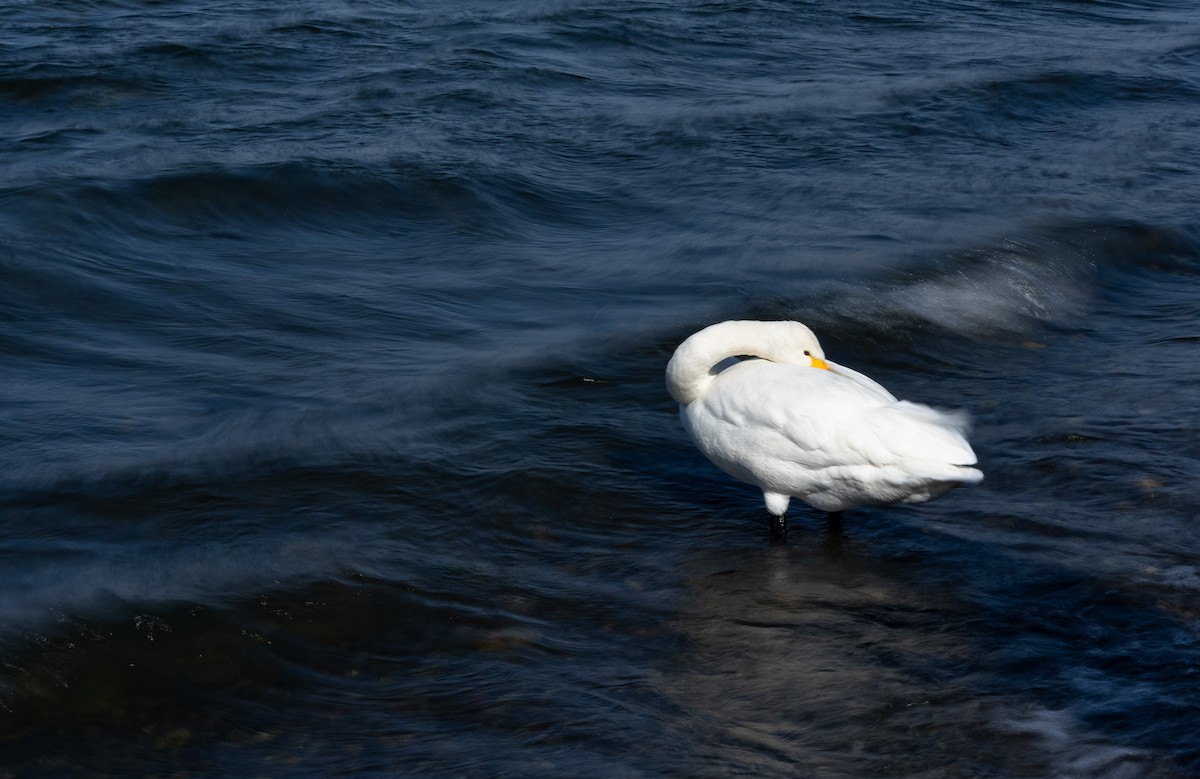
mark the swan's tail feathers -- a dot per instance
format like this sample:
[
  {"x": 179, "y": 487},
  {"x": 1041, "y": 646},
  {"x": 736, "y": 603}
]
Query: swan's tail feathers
[
  {"x": 938, "y": 472},
  {"x": 970, "y": 475},
  {"x": 937, "y": 479}
]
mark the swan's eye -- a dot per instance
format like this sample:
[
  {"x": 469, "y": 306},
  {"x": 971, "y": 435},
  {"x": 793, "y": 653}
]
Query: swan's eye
[{"x": 807, "y": 353}]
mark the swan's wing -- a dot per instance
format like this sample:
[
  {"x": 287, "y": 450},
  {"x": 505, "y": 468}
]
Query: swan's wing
[
  {"x": 891, "y": 431},
  {"x": 771, "y": 415},
  {"x": 761, "y": 416}
]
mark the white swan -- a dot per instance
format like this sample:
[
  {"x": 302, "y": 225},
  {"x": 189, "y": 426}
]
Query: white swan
[{"x": 799, "y": 426}]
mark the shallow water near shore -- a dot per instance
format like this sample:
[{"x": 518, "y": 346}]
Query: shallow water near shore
[{"x": 335, "y": 436}]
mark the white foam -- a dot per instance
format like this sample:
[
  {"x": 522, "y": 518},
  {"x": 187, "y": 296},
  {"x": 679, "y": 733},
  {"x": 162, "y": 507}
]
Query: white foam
[
  {"x": 993, "y": 292},
  {"x": 1073, "y": 751}
]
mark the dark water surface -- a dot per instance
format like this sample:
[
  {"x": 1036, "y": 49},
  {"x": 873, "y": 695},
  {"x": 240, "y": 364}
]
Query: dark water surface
[{"x": 335, "y": 439}]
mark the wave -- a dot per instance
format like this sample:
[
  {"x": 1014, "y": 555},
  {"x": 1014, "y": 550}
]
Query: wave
[
  {"x": 1014, "y": 288},
  {"x": 400, "y": 196}
]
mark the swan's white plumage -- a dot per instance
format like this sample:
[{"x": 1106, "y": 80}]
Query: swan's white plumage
[{"x": 833, "y": 438}]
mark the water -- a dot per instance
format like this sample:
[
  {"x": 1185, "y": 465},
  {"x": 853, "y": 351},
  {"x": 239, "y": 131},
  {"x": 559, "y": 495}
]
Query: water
[{"x": 335, "y": 437}]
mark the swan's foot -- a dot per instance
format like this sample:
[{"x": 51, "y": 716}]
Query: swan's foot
[
  {"x": 834, "y": 523},
  {"x": 778, "y": 527}
]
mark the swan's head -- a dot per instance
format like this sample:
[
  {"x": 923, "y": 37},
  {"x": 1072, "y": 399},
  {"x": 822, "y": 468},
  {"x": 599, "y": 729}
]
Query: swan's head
[
  {"x": 792, "y": 343},
  {"x": 700, "y": 357}
]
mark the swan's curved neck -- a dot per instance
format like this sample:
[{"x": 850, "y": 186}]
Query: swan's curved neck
[{"x": 690, "y": 370}]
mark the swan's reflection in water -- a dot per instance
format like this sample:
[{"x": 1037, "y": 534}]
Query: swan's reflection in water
[{"x": 816, "y": 659}]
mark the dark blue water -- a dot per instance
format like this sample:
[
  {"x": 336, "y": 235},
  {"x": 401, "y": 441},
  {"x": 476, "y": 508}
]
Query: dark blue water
[{"x": 335, "y": 440}]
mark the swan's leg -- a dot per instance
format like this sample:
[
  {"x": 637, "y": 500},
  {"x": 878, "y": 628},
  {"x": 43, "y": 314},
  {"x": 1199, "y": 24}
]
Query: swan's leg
[
  {"x": 834, "y": 522},
  {"x": 779, "y": 526}
]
